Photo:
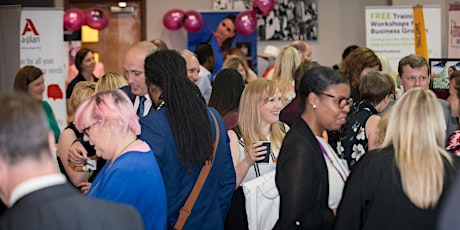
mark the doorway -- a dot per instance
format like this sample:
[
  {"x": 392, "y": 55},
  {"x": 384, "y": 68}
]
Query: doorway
[{"x": 124, "y": 28}]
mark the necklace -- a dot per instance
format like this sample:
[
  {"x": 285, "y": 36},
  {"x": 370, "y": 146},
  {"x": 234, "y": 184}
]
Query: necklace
[{"x": 124, "y": 148}]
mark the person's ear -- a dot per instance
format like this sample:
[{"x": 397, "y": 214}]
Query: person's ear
[{"x": 312, "y": 101}]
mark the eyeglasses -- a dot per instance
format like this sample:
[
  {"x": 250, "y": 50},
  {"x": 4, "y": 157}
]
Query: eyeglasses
[
  {"x": 341, "y": 101},
  {"x": 85, "y": 130}
]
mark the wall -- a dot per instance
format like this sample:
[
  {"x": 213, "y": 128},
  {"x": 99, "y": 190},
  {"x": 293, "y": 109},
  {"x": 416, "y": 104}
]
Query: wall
[{"x": 341, "y": 23}]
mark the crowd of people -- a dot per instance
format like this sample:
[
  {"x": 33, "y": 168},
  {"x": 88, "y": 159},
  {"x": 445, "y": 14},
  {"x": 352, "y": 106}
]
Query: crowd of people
[{"x": 169, "y": 145}]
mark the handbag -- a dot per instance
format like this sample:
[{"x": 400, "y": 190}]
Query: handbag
[
  {"x": 262, "y": 202},
  {"x": 186, "y": 210}
]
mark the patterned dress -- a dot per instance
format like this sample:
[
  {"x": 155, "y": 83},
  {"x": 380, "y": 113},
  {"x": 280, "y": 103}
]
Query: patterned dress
[
  {"x": 453, "y": 145},
  {"x": 354, "y": 143}
]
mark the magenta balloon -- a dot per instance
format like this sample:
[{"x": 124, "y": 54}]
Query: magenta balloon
[
  {"x": 246, "y": 22},
  {"x": 193, "y": 21},
  {"x": 96, "y": 18},
  {"x": 74, "y": 19},
  {"x": 264, "y": 6},
  {"x": 172, "y": 20}
]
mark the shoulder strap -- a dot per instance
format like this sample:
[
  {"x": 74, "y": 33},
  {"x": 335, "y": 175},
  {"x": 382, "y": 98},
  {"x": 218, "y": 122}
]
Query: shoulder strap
[{"x": 186, "y": 210}]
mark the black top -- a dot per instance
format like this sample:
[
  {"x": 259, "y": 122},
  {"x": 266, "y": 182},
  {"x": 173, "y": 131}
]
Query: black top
[
  {"x": 373, "y": 197},
  {"x": 72, "y": 84},
  {"x": 354, "y": 143},
  {"x": 90, "y": 152},
  {"x": 302, "y": 182}
]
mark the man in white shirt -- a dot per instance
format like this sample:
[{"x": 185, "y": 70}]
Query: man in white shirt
[
  {"x": 37, "y": 195},
  {"x": 193, "y": 73}
]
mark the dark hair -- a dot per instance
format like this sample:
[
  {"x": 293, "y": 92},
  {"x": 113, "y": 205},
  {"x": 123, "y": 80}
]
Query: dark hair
[
  {"x": 185, "y": 106},
  {"x": 456, "y": 76},
  {"x": 226, "y": 91},
  {"x": 25, "y": 76},
  {"x": 317, "y": 80},
  {"x": 348, "y": 50},
  {"x": 375, "y": 86},
  {"x": 227, "y": 44},
  {"x": 301, "y": 69},
  {"x": 80, "y": 56},
  {"x": 203, "y": 52},
  {"x": 23, "y": 129}
]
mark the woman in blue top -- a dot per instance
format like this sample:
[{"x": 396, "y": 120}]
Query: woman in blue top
[
  {"x": 181, "y": 132},
  {"x": 29, "y": 79},
  {"x": 131, "y": 174}
]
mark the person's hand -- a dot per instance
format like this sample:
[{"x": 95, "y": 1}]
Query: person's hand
[
  {"x": 77, "y": 154},
  {"x": 256, "y": 153},
  {"x": 84, "y": 187}
]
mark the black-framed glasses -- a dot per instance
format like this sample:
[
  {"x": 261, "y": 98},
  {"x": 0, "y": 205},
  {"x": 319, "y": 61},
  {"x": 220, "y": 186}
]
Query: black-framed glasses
[
  {"x": 85, "y": 130},
  {"x": 341, "y": 101}
]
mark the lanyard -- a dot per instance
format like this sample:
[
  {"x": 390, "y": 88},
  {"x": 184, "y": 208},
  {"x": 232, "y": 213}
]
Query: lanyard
[{"x": 332, "y": 162}]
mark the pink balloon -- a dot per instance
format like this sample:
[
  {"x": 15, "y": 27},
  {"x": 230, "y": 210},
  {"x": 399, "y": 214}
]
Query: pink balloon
[
  {"x": 193, "y": 21},
  {"x": 172, "y": 20},
  {"x": 74, "y": 19},
  {"x": 246, "y": 22},
  {"x": 96, "y": 18},
  {"x": 263, "y": 6}
]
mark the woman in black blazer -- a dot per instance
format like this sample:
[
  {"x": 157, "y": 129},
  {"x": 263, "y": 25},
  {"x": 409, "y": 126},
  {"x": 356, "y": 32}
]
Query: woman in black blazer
[{"x": 309, "y": 175}]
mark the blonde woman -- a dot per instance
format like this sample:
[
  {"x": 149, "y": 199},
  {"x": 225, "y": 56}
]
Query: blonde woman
[
  {"x": 285, "y": 65},
  {"x": 75, "y": 175},
  {"x": 236, "y": 62},
  {"x": 258, "y": 121},
  {"x": 401, "y": 185},
  {"x": 109, "y": 81}
]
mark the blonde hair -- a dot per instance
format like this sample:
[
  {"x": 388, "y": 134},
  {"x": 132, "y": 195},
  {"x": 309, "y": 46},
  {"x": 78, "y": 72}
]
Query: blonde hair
[
  {"x": 255, "y": 94},
  {"x": 382, "y": 128},
  {"x": 81, "y": 92},
  {"x": 285, "y": 66},
  {"x": 109, "y": 81},
  {"x": 416, "y": 132},
  {"x": 233, "y": 61}
]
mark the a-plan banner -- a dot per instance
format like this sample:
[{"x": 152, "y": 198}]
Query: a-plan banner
[
  {"x": 41, "y": 45},
  {"x": 390, "y": 31}
]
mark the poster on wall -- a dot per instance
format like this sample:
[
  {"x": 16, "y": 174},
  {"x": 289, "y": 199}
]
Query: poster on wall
[
  {"x": 441, "y": 70},
  {"x": 218, "y": 26},
  {"x": 289, "y": 20},
  {"x": 453, "y": 48},
  {"x": 41, "y": 46},
  {"x": 390, "y": 31}
]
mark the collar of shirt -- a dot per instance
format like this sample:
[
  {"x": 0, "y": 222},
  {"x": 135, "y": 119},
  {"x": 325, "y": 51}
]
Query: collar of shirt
[
  {"x": 147, "y": 104},
  {"x": 35, "y": 184}
]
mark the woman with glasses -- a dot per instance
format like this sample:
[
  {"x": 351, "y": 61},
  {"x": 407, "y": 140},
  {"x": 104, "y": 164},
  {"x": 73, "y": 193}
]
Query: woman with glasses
[
  {"x": 131, "y": 174},
  {"x": 309, "y": 175},
  {"x": 359, "y": 134}
]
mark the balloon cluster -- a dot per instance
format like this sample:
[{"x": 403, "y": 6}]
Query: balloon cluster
[
  {"x": 95, "y": 18},
  {"x": 245, "y": 22},
  {"x": 175, "y": 19}
]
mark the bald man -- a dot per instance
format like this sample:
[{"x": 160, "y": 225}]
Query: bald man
[
  {"x": 303, "y": 49},
  {"x": 193, "y": 73}
]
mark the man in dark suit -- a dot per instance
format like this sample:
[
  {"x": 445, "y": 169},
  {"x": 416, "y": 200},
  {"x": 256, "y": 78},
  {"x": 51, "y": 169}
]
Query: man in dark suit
[
  {"x": 133, "y": 67},
  {"x": 37, "y": 195}
]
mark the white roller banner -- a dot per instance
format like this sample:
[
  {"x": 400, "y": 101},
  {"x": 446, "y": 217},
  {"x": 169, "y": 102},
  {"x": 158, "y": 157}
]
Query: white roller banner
[
  {"x": 41, "y": 45},
  {"x": 390, "y": 31}
]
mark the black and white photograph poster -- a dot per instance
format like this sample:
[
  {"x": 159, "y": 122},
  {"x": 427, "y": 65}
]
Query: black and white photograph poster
[{"x": 289, "y": 20}]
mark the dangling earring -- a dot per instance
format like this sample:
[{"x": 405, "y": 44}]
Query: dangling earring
[
  {"x": 161, "y": 102},
  {"x": 314, "y": 106}
]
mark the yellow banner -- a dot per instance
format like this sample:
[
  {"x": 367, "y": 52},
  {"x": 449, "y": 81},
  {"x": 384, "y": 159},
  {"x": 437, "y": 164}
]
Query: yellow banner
[{"x": 420, "y": 32}]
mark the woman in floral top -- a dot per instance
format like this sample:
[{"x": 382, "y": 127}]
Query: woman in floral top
[
  {"x": 453, "y": 144},
  {"x": 359, "y": 136}
]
